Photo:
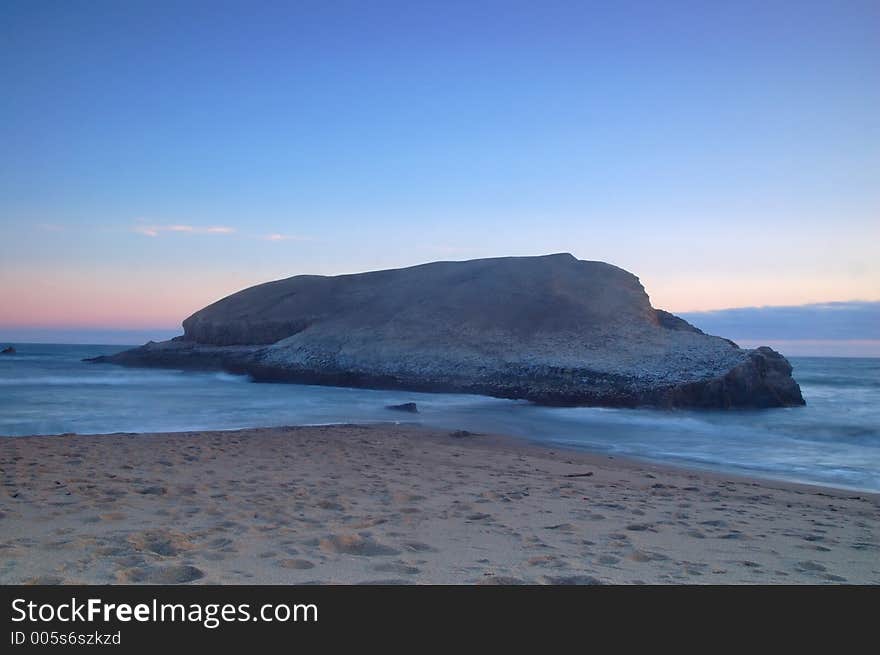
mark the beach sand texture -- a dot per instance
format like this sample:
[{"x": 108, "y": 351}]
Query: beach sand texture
[{"x": 403, "y": 504}]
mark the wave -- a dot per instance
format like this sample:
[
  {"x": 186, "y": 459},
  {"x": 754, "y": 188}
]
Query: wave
[
  {"x": 229, "y": 377},
  {"x": 119, "y": 379},
  {"x": 70, "y": 380}
]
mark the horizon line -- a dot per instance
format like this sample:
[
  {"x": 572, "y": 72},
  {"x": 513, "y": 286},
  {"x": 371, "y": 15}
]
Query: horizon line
[{"x": 179, "y": 325}]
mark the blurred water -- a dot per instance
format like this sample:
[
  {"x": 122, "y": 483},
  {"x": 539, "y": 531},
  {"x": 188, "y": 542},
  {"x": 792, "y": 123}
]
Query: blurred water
[{"x": 834, "y": 440}]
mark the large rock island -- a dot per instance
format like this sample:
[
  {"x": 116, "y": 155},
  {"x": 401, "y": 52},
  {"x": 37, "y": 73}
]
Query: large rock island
[{"x": 551, "y": 329}]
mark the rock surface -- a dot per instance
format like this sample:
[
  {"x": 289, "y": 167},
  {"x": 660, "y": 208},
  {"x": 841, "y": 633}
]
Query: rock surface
[
  {"x": 412, "y": 408},
  {"x": 551, "y": 329}
]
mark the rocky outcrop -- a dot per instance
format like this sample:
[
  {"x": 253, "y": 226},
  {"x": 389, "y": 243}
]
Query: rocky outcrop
[
  {"x": 411, "y": 408},
  {"x": 763, "y": 380},
  {"x": 553, "y": 329}
]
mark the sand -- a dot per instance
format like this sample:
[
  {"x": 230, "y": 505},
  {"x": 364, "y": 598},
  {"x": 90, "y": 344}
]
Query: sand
[{"x": 404, "y": 504}]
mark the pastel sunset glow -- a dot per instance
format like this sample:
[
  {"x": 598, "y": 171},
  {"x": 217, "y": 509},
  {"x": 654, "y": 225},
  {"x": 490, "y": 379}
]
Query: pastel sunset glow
[{"x": 727, "y": 154}]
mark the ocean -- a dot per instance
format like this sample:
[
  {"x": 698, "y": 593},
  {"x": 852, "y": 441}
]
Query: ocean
[{"x": 833, "y": 441}]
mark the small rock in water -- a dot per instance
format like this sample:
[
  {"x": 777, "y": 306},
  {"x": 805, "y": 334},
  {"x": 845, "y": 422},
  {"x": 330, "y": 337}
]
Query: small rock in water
[
  {"x": 404, "y": 407},
  {"x": 459, "y": 434}
]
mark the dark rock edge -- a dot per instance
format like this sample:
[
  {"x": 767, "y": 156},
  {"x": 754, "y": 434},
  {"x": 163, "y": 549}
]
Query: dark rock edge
[{"x": 762, "y": 381}]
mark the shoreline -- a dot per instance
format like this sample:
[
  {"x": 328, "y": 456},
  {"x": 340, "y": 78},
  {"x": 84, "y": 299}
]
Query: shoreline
[
  {"x": 352, "y": 503},
  {"x": 535, "y": 447}
]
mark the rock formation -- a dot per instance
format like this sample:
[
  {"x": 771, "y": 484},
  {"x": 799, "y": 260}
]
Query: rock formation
[
  {"x": 412, "y": 408},
  {"x": 551, "y": 329}
]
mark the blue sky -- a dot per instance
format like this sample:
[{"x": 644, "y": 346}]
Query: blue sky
[{"x": 157, "y": 156}]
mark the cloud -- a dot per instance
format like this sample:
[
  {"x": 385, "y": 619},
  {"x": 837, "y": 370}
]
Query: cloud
[
  {"x": 283, "y": 237},
  {"x": 853, "y": 320},
  {"x": 156, "y": 230}
]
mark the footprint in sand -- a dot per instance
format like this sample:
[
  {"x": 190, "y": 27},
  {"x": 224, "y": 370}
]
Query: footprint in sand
[
  {"x": 404, "y": 498},
  {"x": 354, "y": 544},
  {"x": 160, "y": 542},
  {"x": 810, "y": 567},
  {"x": 396, "y": 567},
  {"x": 153, "y": 491},
  {"x": 214, "y": 556},
  {"x": 545, "y": 561},
  {"x": 44, "y": 580},
  {"x": 637, "y": 555},
  {"x": 161, "y": 574},
  {"x": 299, "y": 564},
  {"x": 129, "y": 561},
  {"x": 112, "y": 516},
  {"x": 113, "y": 551}
]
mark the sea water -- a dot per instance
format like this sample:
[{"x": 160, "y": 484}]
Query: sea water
[{"x": 834, "y": 440}]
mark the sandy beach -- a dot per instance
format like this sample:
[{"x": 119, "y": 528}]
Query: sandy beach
[{"x": 404, "y": 504}]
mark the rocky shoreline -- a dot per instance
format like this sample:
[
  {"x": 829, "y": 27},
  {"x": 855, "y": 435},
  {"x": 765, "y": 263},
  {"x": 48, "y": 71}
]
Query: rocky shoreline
[{"x": 763, "y": 379}]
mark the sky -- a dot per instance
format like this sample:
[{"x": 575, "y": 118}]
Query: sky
[
  {"x": 840, "y": 329},
  {"x": 157, "y": 156}
]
